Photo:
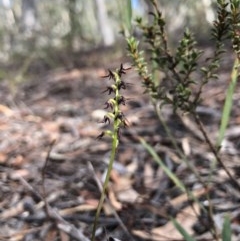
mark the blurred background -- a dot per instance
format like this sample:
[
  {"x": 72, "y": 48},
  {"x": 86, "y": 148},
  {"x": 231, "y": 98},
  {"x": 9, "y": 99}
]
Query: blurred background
[{"x": 32, "y": 29}]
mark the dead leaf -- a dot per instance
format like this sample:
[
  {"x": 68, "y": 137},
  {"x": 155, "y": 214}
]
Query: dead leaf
[
  {"x": 3, "y": 158},
  {"x": 17, "y": 161},
  {"x": 79, "y": 208},
  {"x": 17, "y": 174},
  {"x": 184, "y": 197},
  {"x": 128, "y": 196},
  {"x": 108, "y": 210},
  {"x": 186, "y": 146},
  {"x": 132, "y": 167},
  {"x": 13, "y": 211},
  {"x": 6, "y": 111},
  {"x": 51, "y": 235},
  {"x": 115, "y": 177},
  {"x": 64, "y": 236},
  {"x": 117, "y": 205},
  {"x": 187, "y": 217},
  {"x": 33, "y": 118},
  {"x": 148, "y": 176}
]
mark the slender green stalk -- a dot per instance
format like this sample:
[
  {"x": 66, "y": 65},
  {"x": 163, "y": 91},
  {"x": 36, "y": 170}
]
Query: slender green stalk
[
  {"x": 226, "y": 231},
  {"x": 117, "y": 117},
  {"x": 228, "y": 102},
  {"x": 103, "y": 194}
]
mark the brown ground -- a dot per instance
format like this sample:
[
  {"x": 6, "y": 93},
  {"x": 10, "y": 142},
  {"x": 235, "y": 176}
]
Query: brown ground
[{"x": 66, "y": 105}]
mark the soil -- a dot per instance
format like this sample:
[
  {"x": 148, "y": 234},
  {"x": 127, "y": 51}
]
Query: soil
[{"x": 51, "y": 160}]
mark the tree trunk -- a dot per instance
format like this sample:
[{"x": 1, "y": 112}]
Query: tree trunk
[
  {"x": 29, "y": 21},
  {"x": 73, "y": 23},
  {"x": 104, "y": 25}
]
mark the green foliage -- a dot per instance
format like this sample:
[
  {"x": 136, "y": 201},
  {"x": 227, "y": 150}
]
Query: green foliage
[
  {"x": 234, "y": 19},
  {"x": 141, "y": 65},
  {"x": 177, "y": 86},
  {"x": 226, "y": 231},
  {"x": 184, "y": 75},
  {"x": 228, "y": 102}
]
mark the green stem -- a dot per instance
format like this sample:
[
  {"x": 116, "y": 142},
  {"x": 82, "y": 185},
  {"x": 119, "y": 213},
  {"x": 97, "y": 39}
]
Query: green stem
[{"x": 103, "y": 194}]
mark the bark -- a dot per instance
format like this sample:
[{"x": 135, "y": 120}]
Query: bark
[
  {"x": 106, "y": 31},
  {"x": 29, "y": 21}
]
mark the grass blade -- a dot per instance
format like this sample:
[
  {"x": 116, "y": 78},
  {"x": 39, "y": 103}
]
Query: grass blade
[
  {"x": 228, "y": 102},
  {"x": 169, "y": 173},
  {"x": 182, "y": 231},
  {"x": 226, "y": 232}
]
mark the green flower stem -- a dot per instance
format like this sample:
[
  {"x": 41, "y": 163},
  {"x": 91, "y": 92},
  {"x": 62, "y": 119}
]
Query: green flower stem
[
  {"x": 103, "y": 194},
  {"x": 115, "y": 141}
]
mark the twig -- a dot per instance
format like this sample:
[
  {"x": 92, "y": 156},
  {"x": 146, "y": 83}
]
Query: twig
[
  {"x": 51, "y": 213},
  {"x": 43, "y": 178},
  {"x": 214, "y": 151},
  {"x": 30, "y": 188},
  {"x": 68, "y": 228}
]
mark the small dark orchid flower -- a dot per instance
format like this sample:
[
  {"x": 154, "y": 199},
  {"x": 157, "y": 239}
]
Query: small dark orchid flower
[
  {"x": 109, "y": 89},
  {"x": 119, "y": 116},
  {"x": 121, "y": 100},
  {"x": 108, "y": 104},
  {"x": 106, "y": 120},
  {"x": 122, "y": 70},
  {"x": 110, "y": 75},
  {"x": 122, "y": 118},
  {"x": 99, "y": 137},
  {"x": 119, "y": 131},
  {"x": 115, "y": 115},
  {"x": 123, "y": 85}
]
